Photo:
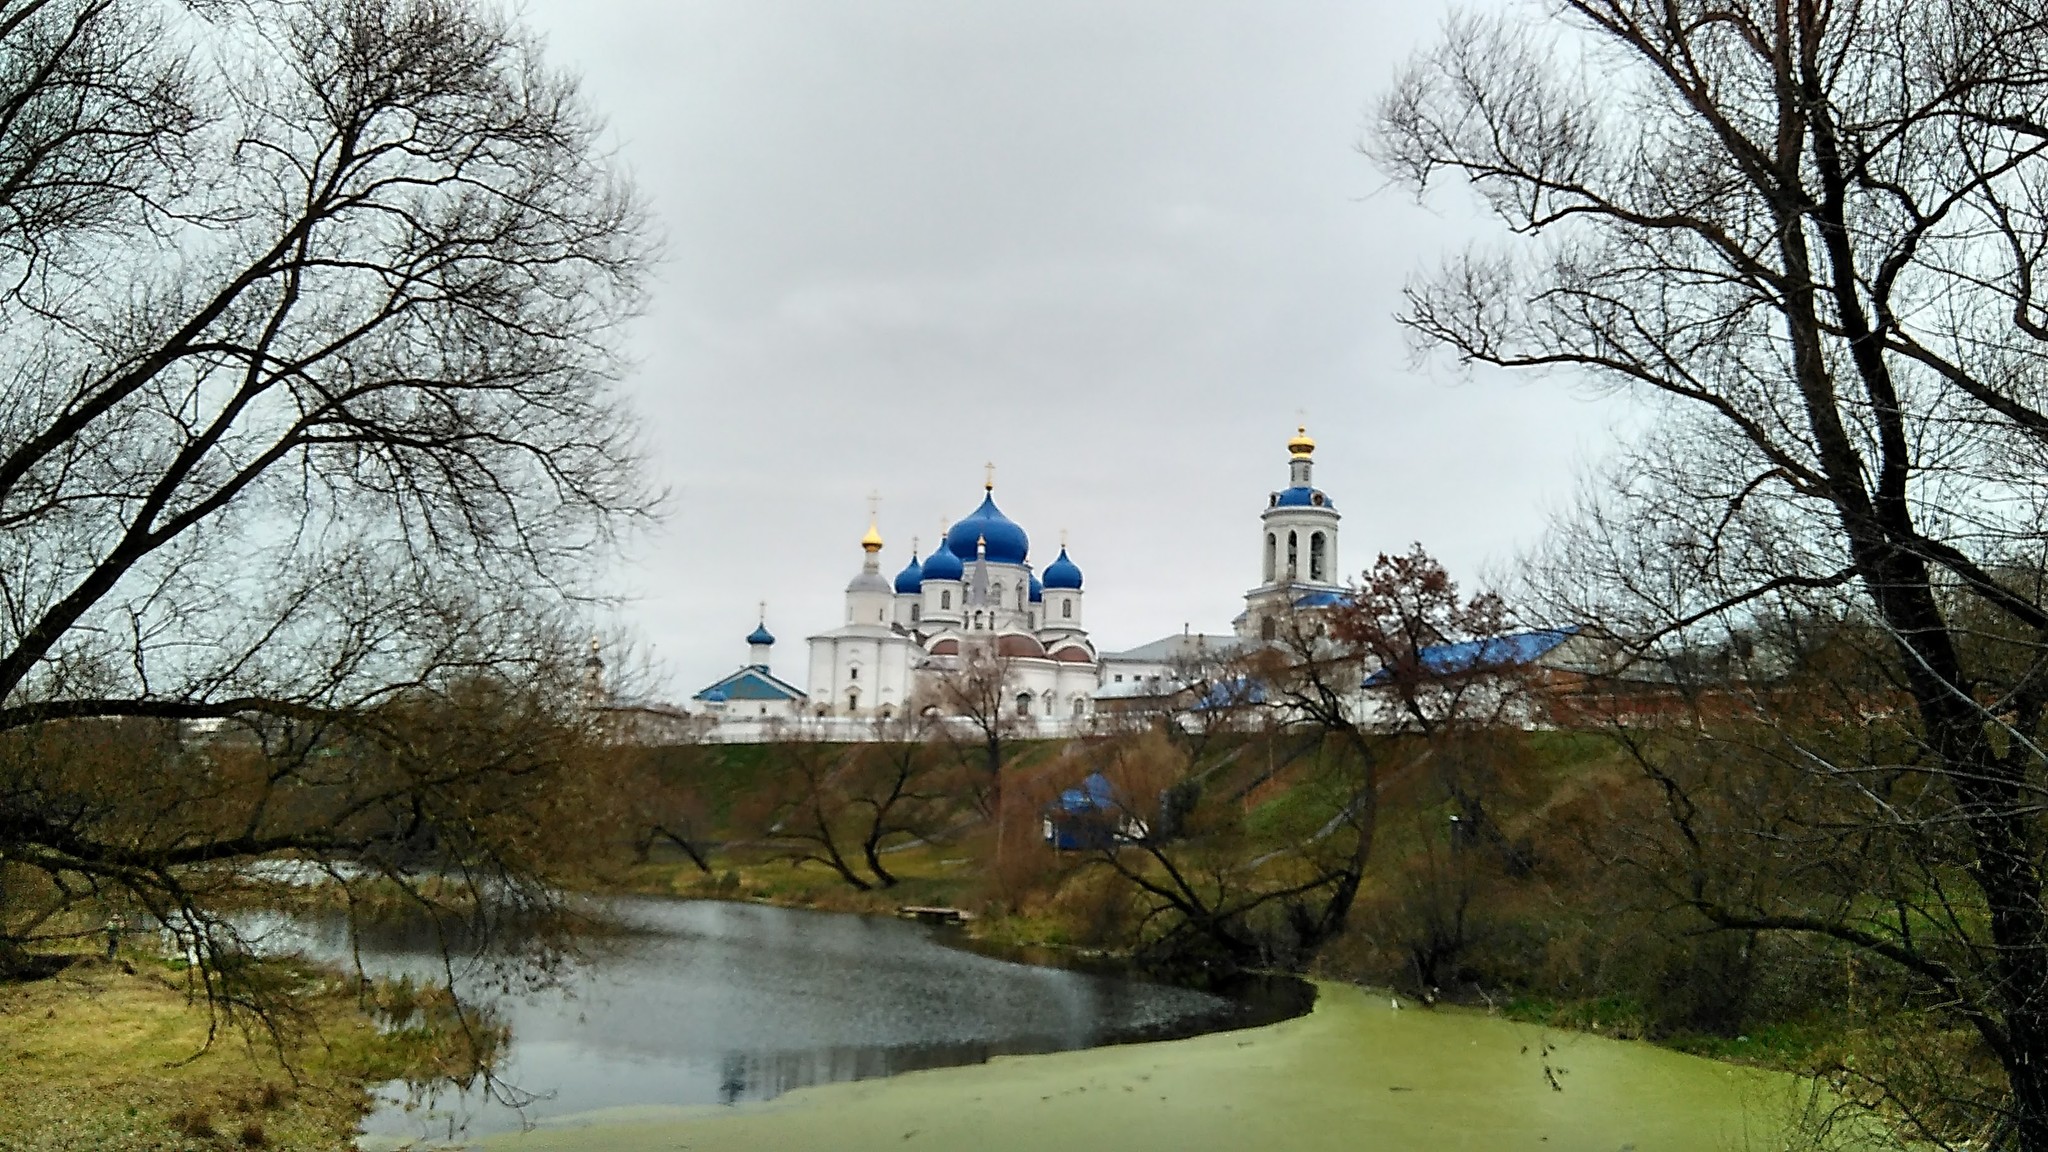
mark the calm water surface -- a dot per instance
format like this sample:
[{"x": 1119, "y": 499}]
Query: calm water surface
[{"x": 719, "y": 1003}]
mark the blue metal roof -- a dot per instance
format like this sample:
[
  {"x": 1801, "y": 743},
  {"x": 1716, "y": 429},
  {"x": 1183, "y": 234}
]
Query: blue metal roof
[
  {"x": 1232, "y": 693},
  {"x": 1302, "y": 496},
  {"x": 1326, "y": 599},
  {"x": 1007, "y": 543},
  {"x": 1510, "y": 651},
  {"x": 1063, "y": 573},
  {"x": 749, "y": 684}
]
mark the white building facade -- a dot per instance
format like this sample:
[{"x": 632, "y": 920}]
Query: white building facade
[
  {"x": 979, "y": 598},
  {"x": 976, "y": 597}
]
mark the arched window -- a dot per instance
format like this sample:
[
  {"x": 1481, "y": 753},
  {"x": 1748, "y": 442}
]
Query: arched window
[
  {"x": 1272, "y": 556},
  {"x": 853, "y": 673},
  {"x": 1023, "y": 594},
  {"x": 1066, "y": 608},
  {"x": 997, "y": 591},
  {"x": 881, "y": 615},
  {"x": 1023, "y": 703},
  {"x": 946, "y": 598},
  {"x": 1048, "y": 703},
  {"x": 914, "y": 612},
  {"x": 852, "y": 703},
  {"x": 1080, "y": 706},
  {"x": 977, "y": 621},
  {"x": 1315, "y": 557},
  {"x": 1293, "y": 565},
  {"x": 1267, "y": 629}
]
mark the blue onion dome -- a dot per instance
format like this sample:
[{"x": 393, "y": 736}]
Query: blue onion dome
[
  {"x": 1301, "y": 496},
  {"x": 1037, "y": 591},
  {"x": 912, "y": 576},
  {"x": 760, "y": 635},
  {"x": 943, "y": 564},
  {"x": 1007, "y": 543},
  {"x": 1063, "y": 573}
]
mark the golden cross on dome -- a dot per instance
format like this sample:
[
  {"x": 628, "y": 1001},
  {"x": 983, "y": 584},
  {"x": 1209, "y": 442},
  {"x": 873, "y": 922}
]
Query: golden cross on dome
[{"x": 989, "y": 483}]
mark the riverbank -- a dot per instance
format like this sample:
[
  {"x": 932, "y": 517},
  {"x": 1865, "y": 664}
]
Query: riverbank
[
  {"x": 115, "y": 1055},
  {"x": 1411, "y": 1078},
  {"x": 106, "y": 1056}
]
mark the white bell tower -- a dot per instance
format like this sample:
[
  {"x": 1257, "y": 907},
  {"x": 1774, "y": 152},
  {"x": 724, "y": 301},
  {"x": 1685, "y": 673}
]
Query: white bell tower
[{"x": 1297, "y": 543}]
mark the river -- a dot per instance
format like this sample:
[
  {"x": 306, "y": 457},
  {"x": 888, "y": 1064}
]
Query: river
[
  {"x": 705, "y": 1002},
  {"x": 737, "y": 1026}
]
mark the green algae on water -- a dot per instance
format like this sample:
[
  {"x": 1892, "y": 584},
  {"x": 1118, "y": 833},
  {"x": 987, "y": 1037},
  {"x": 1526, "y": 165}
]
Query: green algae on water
[{"x": 1357, "y": 1073}]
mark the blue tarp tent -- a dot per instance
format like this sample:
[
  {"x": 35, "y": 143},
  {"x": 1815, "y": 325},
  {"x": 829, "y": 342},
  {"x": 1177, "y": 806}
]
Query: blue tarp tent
[{"x": 1084, "y": 817}]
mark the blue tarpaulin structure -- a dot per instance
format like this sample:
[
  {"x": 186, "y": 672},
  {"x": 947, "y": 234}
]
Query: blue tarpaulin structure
[{"x": 1084, "y": 817}]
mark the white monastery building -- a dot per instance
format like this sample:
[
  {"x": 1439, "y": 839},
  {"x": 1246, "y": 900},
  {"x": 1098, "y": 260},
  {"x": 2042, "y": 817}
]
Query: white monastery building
[{"x": 977, "y": 596}]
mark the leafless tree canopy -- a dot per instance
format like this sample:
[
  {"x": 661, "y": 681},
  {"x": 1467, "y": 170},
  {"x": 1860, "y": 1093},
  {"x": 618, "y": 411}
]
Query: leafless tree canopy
[
  {"x": 307, "y": 332},
  {"x": 1813, "y": 233}
]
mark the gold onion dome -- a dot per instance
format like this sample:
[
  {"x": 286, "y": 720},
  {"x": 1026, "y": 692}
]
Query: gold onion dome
[
  {"x": 872, "y": 542},
  {"x": 1302, "y": 444}
]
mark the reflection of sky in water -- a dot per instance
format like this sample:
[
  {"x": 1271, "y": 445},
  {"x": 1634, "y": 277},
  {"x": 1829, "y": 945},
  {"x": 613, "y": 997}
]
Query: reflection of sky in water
[{"x": 721, "y": 1003}]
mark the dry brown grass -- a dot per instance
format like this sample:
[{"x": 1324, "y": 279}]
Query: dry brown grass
[{"x": 99, "y": 1057}]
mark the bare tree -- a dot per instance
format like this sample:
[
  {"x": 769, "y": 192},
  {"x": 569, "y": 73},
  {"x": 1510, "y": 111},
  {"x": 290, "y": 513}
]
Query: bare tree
[
  {"x": 1813, "y": 233},
  {"x": 904, "y": 790},
  {"x": 973, "y": 698},
  {"x": 307, "y": 436},
  {"x": 842, "y": 805}
]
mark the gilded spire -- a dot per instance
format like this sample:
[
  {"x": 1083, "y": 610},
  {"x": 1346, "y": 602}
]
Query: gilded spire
[{"x": 872, "y": 542}]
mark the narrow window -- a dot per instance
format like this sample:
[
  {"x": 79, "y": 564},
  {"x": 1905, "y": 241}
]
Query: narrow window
[
  {"x": 1272, "y": 556},
  {"x": 1266, "y": 629},
  {"x": 1048, "y": 703},
  {"x": 1315, "y": 557},
  {"x": 1066, "y": 608},
  {"x": 852, "y": 703},
  {"x": 914, "y": 612},
  {"x": 881, "y": 616},
  {"x": 853, "y": 673},
  {"x": 946, "y": 599},
  {"x": 1024, "y": 704},
  {"x": 1292, "y": 566},
  {"x": 1078, "y": 705}
]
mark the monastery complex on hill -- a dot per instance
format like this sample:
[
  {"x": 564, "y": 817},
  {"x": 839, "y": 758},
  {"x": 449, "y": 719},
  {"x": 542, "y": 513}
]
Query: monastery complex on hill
[{"x": 979, "y": 594}]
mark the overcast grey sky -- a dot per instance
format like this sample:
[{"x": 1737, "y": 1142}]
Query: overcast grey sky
[{"x": 1117, "y": 248}]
